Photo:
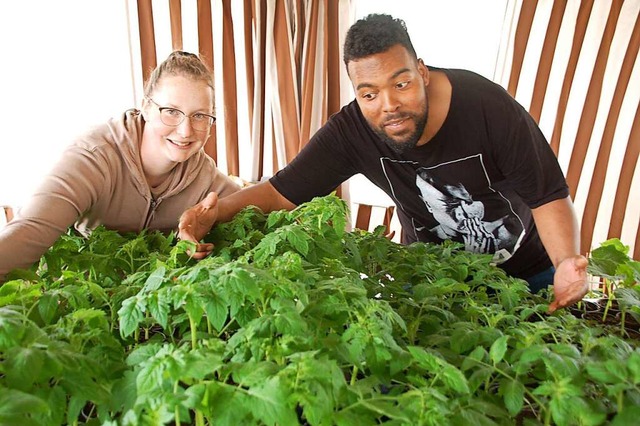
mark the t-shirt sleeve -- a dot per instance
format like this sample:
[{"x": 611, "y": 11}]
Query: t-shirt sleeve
[
  {"x": 322, "y": 165},
  {"x": 524, "y": 156}
]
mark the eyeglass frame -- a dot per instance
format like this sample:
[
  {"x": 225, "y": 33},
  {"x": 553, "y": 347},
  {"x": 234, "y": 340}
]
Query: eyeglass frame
[{"x": 184, "y": 116}]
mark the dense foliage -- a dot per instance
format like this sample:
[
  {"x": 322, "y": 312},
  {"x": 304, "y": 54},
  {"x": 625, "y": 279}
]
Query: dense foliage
[{"x": 294, "y": 321}]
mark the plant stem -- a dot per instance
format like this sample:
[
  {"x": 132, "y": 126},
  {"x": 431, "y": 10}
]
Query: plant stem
[
  {"x": 192, "y": 325},
  {"x": 176, "y": 410},
  {"x": 199, "y": 418},
  {"x": 606, "y": 308},
  {"x": 620, "y": 402},
  {"x": 354, "y": 373}
]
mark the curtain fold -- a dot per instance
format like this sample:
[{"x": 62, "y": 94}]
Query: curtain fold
[
  {"x": 604, "y": 152},
  {"x": 546, "y": 58},
  {"x": 230, "y": 93},
  {"x": 582, "y": 20},
  {"x": 590, "y": 102},
  {"x": 175, "y": 16},
  {"x": 147, "y": 38},
  {"x": 278, "y": 71},
  {"x": 523, "y": 31}
]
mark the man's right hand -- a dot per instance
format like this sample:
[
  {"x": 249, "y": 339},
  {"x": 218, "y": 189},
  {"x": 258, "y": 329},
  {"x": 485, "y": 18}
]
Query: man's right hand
[{"x": 197, "y": 221}]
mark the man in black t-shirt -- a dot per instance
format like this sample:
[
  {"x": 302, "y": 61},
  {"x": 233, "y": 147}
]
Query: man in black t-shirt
[{"x": 460, "y": 157}]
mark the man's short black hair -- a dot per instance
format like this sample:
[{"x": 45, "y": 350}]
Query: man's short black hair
[{"x": 375, "y": 33}]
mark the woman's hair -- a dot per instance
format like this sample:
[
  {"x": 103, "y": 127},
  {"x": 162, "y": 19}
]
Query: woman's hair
[
  {"x": 179, "y": 63},
  {"x": 375, "y": 33}
]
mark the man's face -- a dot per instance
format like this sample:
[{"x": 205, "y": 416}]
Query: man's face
[{"x": 391, "y": 90}]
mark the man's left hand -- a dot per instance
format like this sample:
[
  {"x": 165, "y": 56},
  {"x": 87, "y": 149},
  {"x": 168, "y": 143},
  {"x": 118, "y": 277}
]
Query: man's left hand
[{"x": 569, "y": 282}]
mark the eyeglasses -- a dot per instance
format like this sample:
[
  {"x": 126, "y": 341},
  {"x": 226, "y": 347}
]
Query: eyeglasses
[{"x": 174, "y": 117}]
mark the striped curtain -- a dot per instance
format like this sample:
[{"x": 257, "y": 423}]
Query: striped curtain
[
  {"x": 574, "y": 65},
  {"x": 277, "y": 64}
]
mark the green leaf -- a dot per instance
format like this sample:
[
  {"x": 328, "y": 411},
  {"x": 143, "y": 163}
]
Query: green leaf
[
  {"x": 454, "y": 379},
  {"x": 23, "y": 366},
  {"x": 48, "y": 306},
  {"x": 600, "y": 373},
  {"x": 131, "y": 314},
  {"x": 76, "y": 403},
  {"x": 633, "y": 364},
  {"x": 17, "y": 407},
  {"x": 159, "y": 304},
  {"x": 476, "y": 356},
  {"x": 628, "y": 416},
  {"x": 217, "y": 311},
  {"x": 512, "y": 392},
  {"x": 299, "y": 240},
  {"x": 227, "y": 405},
  {"x": 155, "y": 280},
  {"x": 604, "y": 260},
  {"x": 269, "y": 403},
  {"x": 142, "y": 353},
  {"x": 498, "y": 349}
]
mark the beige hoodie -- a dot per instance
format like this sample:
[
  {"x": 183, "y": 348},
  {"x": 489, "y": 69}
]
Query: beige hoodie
[{"x": 99, "y": 181}]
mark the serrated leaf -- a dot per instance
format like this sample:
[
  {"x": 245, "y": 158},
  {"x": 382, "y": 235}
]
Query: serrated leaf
[
  {"x": 633, "y": 364},
  {"x": 23, "y": 366},
  {"x": 498, "y": 349},
  {"x": 16, "y": 406},
  {"x": 158, "y": 304},
  {"x": 628, "y": 416},
  {"x": 155, "y": 280},
  {"x": 513, "y": 395},
  {"x": 48, "y": 306},
  {"x": 454, "y": 379},
  {"x": 268, "y": 403},
  {"x": 217, "y": 311},
  {"x": 599, "y": 372},
  {"x": 131, "y": 314}
]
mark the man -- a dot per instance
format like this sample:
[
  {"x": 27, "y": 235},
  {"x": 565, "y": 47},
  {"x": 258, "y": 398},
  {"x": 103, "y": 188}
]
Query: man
[{"x": 461, "y": 159}]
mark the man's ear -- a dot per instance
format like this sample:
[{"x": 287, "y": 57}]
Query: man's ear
[{"x": 424, "y": 71}]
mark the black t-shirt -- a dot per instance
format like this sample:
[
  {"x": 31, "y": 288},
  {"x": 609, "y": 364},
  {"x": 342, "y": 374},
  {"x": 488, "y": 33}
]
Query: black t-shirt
[{"x": 475, "y": 181}]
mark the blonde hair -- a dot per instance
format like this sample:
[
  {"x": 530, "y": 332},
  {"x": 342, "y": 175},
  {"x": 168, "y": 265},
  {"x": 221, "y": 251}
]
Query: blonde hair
[{"x": 179, "y": 63}]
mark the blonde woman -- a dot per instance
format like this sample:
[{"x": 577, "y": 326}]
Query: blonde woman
[{"x": 138, "y": 171}]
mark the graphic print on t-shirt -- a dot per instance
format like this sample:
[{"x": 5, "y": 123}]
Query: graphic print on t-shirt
[{"x": 465, "y": 208}]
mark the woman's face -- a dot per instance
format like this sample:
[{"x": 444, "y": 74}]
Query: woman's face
[{"x": 164, "y": 146}]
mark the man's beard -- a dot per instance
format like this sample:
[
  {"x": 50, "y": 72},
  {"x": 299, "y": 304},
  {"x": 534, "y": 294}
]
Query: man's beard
[{"x": 409, "y": 142}]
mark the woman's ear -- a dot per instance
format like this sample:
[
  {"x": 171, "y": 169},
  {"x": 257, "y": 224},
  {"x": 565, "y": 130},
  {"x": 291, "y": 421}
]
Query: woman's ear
[{"x": 144, "y": 109}]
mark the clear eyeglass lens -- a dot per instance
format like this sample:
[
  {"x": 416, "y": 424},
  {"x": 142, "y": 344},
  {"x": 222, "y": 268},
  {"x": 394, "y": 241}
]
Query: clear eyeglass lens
[{"x": 174, "y": 117}]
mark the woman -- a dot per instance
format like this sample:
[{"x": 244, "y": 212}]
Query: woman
[{"x": 137, "y": 171}]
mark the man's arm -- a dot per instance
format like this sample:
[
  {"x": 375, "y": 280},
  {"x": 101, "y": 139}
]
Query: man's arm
[
  {"x": 560, "y": 235},
  {"x": 198, "y": 220}
]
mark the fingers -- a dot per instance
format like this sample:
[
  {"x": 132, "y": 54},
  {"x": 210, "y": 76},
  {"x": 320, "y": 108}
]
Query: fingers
[
  {"x": 554, "y": 306},
  {"x": 202, "y": 251},
  {"x": 580, "y": 262},
  {"x": 184, "y": 231}
]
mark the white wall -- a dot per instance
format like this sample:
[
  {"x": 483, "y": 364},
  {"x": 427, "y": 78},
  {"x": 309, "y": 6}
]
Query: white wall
[
  {"x": 450, "y": 34},
  {"x": 66, "y": 65}
]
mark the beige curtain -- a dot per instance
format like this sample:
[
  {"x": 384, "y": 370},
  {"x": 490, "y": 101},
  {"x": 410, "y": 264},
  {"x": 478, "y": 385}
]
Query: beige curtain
[
  {"x": 574, "y": 66},
  {"x": 278, "y": 63}
]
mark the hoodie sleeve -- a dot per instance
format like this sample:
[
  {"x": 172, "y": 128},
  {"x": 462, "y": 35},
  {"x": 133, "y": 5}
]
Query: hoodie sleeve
[
  {"x": 222, "y": 184},
  {"x": 70, "y": 189}
]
